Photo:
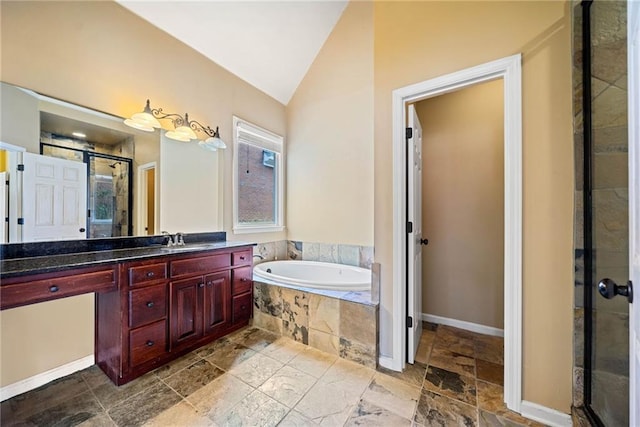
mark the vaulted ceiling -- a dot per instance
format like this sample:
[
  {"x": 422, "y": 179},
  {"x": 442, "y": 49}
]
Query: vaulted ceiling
[{"x": 269, "y": 44}]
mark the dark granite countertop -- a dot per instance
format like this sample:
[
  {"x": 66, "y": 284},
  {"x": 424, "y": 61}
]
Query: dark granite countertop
[{"x": 50, "y": 263}]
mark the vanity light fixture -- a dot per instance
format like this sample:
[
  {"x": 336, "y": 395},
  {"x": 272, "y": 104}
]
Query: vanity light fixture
[{"x": 184, "y": 129}]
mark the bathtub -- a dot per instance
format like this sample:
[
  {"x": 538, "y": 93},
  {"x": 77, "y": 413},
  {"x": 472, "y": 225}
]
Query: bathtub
[{"x": 315, "y": 275}]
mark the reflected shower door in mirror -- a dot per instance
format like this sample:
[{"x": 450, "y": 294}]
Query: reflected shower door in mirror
[
  {"x": 109, "y": 196},
  {"x": 109, "y": 191}
]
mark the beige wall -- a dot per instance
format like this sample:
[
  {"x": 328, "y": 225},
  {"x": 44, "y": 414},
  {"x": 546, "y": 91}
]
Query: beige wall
[
  {"x": 19, "y": 118},
  {"x": 463, "y": 204},
  {"x": 99, "y": 55},
  {"x": 330, "y": 138},
  {"x": 416, "y": 41}
]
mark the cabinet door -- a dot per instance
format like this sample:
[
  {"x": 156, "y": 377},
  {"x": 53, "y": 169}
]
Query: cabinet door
[
  {"x": 217, "y": 302},
  {"x": 186, "y": 310}
]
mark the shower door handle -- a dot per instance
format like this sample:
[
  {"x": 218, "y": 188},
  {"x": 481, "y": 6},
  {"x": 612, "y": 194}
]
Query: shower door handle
[
  {"x": 82, "y": 230},
  {"x": 609, "y": 289}
]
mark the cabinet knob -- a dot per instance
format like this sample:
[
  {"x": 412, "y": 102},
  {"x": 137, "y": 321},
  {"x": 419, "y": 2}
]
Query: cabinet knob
[
  {"x": 54, "y": 288},
  {"x": 242, "y": 257},
  {"x": 243, "y": 307},
  {"x": 150, "y": 343},
  {"x": 150, "y": 304},
  {"x": 244, "y": 279},
  {"x": 150, "y": 273},
  {"x": 209, "y": 283},
  {"x": 201, "y": 285}
]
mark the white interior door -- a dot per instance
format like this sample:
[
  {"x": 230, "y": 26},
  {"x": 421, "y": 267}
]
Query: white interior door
[
  {"x": 414, "y": 238},
  {"x": 54, "y": 198},
  {"x": 634, "y": 206}
]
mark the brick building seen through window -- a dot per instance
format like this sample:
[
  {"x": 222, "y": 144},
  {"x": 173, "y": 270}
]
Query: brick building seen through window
[{"x": 256, "y": 184}]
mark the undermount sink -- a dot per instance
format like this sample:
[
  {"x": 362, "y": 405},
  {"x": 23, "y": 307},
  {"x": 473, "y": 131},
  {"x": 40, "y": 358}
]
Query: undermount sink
[{"x": 185, "y": 247}]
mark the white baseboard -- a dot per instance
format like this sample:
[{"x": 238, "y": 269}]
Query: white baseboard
[
  {"x": 43, "y": 378},
  {"x": 461, "y": 324},
  {"x": 545, "y": 415},
  {"x": 388, "y": 362}
]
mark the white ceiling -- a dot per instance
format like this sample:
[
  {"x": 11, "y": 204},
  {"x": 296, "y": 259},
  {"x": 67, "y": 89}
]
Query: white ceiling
[{"x": 269, "y": 44}]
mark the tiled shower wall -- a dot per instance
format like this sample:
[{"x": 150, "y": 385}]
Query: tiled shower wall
[{"x": 610, "y": 200}]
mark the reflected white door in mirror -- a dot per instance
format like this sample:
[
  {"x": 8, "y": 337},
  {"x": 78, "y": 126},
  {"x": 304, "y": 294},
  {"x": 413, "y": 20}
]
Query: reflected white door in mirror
[{"x": 54, "y": 197}]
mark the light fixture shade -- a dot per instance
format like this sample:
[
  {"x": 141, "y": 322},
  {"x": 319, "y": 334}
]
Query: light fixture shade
[
  {"x": 138, "y": 125},
  {"x": 176, "y": 136},
  {"x": 143, "y": 120},
  {"x": 146, "y": 117},
  {"x": 216, "y": 142},
  {"x": 186, "y": 131},
  {"x": 207, "y": 145}
]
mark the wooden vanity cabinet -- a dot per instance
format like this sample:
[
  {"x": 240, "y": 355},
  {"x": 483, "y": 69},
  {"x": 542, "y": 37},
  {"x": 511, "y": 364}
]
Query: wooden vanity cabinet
[
  {"x": 24, "y": 290},
  {"x": 200, "y": 306},
  {"x": 169, "y": 306}
]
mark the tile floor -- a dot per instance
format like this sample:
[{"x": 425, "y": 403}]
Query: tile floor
[{"x": 253, "y": 378}]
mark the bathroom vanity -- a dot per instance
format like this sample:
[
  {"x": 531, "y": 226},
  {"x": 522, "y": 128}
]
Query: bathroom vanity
[{"x": 153, "y": 304}]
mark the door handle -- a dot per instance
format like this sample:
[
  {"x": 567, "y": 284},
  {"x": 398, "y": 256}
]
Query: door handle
[
  {"x": 424, "y": 242},
  {"x": 609, "y": 289},
  {"x": 82, "y": 230}
]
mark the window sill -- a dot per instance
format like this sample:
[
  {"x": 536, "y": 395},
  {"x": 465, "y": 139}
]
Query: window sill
[{"x": 258, "y": 229}]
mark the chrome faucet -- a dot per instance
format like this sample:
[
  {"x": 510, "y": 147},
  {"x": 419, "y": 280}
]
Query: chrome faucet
[
  {"x": 179, "y": 239},
  {"x": 170, "y": 242}
]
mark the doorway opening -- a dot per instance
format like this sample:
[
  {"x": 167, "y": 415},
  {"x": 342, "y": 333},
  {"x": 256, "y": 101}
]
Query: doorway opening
[
  {"x": 462, "y": 216},
  {"x": 509, "y": 70},
  {"x": 148, "y": 198}
]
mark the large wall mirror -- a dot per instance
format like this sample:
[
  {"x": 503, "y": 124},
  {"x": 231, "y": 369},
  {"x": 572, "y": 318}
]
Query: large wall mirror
[{"x": 77, "y": 173}]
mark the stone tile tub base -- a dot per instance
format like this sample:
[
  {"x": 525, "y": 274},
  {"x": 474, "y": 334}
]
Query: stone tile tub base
[{"x": 341, "y": 324}]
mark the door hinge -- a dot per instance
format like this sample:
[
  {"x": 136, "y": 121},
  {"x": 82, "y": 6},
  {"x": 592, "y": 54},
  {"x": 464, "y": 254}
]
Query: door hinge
[
  {"x": 6, "y": 219},
  {"x": 409, "y": 322},
  {"x": 20, "y": 221},
  {"x": 409, "y": 227},
  {"x": 88, "y": 213},
  {"x": 408, "y": 133},
  {"x": 6, "y": 183},
  {"x": 21, "y": 168}
]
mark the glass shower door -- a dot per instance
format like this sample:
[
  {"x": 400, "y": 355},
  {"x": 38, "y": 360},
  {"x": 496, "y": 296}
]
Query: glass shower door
[
  {"x": 607, "y": 371},
  {"x": 109, "y": 196}
]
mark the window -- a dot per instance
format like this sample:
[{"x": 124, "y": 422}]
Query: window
[{"x": 258, "y": 188}]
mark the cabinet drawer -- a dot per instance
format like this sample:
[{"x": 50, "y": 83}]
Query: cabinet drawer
[
  {"x": 242, "y": 280},
  {"x": 242, "y": 306},
  {"x": 200, "y": 265},
  {"x": 242, "y": 258},
  {"x": 147, "y": 305},
  {"x": 147, "y": 342},
  {"x": 76, "y": 283},
  {"x": 147, "y": 273}
]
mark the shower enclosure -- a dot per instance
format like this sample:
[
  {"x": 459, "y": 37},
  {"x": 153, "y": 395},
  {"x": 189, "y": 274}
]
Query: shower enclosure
[
  {"x": 109, "y": 192},
  {"x": 600, "y": 77},
  {"x": 109, "y": 196}
]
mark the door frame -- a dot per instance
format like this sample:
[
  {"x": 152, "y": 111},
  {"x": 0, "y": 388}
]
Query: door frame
[
  {"x": 142, "y": 195},
  {"x": 14, "y": 158},
  {"x": 510, "y": 70}
]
